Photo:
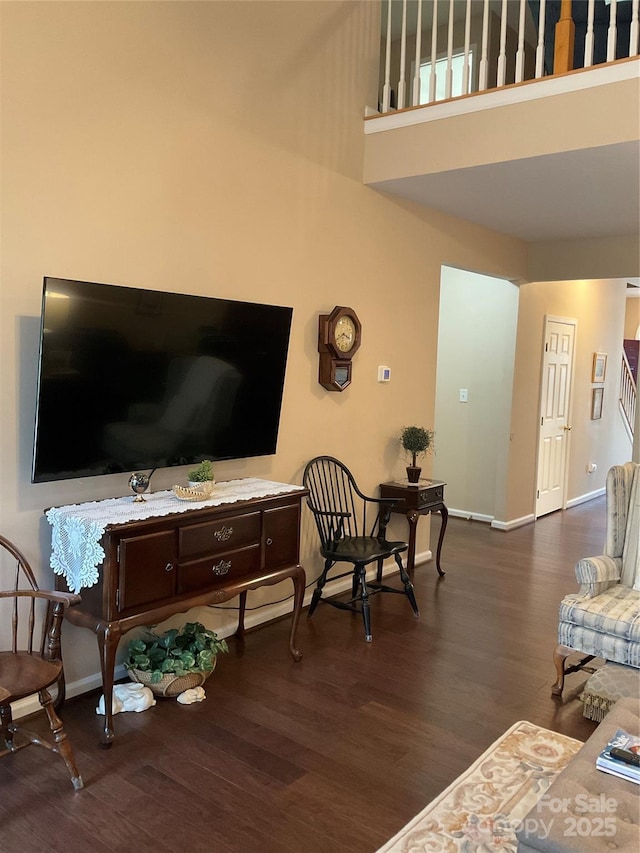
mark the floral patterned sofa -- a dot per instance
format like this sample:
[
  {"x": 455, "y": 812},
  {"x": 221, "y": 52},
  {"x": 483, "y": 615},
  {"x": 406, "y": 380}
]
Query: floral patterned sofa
[{"x": 603, "y": 619}]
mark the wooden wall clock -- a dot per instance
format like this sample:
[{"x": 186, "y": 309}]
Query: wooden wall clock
[{"x": 339, "y": 337}]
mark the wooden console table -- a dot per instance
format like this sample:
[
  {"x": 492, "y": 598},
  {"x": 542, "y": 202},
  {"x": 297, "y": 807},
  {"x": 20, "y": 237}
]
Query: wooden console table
[
  {"x": 160, "y": 565},
  {"x": 423, "y": 498}
]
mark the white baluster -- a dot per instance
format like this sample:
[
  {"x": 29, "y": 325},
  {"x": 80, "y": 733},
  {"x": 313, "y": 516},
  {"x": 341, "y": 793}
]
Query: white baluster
[
  {"x": 612, "y": 32},
  {"x": 402, "y": 83},
  {"x": 434, "y": 52},
  {"x": 502, "y": 58},
  {"x": 386, "y": 89},
  {"x": 520, "y": 52},
  {"x": 540, "y": 45},
  {"x": 635, "y": 29},
  {"x": 448, "y": 85},
  {"x": 483, "y": 81},
  {"x": 588, "y": 39},
  {"x": 467, "y": 39},
  {"x": 416, "y": 76}
]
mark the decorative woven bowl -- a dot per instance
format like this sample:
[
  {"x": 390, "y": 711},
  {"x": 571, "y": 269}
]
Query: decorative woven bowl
[
  {"x": 170, "y": 684},
  {"x": 206, "y": 486},
  {"x": 195, "y": 491}
]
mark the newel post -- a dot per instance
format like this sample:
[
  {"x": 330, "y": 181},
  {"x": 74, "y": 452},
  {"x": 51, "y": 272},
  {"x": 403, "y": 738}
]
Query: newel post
[{"x": 565, "y": 35}]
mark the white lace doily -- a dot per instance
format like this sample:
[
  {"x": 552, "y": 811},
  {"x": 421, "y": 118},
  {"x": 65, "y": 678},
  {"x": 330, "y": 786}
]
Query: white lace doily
[{"x": 77, "y": 529}]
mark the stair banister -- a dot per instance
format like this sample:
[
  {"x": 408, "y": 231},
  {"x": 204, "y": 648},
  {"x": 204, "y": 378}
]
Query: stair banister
[{"x": 565, "y": 37}]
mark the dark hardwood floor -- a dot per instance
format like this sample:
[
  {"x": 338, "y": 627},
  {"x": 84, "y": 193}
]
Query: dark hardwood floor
[{"x": 336, "y": 753}]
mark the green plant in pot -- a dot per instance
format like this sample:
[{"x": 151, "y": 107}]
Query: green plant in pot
[
  {"x": 417, "y": 442},
  {"x": 175, "y": 661},
  {"x": 201, "y": 477}
]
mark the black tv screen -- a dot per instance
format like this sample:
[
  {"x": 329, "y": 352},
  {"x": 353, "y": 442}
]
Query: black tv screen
[{"x": 134, "y": 379}]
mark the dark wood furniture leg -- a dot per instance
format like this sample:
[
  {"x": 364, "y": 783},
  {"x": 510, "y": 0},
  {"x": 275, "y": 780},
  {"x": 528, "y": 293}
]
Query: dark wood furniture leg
[
  {"x": 241, "y": 611},
  {"x": 298, "y": 577},
  {"x": 412, "y": 518},
  {"x": 62, "y": 747},
  {"x": 444, "y": 515},
  {"x": 560, "y": 656},
  {"x": 108, "y": 638}
]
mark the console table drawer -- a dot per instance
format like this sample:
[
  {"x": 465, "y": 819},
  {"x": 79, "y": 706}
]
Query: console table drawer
[
  {"x": 215, "y": 537},
  {"x": 435, "y": 493},
  {"x": 217, "y": 569},
  {"x": 147, "y": 569}
]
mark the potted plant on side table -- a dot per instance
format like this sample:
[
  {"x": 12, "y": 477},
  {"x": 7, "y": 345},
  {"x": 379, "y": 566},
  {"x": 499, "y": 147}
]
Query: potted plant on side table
[
  {"x": 176, "y": 661},
  {"x": 416, "y": 441}
]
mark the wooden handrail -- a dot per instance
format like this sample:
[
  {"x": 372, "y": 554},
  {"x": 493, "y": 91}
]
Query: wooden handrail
[
  {"x": 628, "y": 394},
  {"x": 458, "y": 68}
]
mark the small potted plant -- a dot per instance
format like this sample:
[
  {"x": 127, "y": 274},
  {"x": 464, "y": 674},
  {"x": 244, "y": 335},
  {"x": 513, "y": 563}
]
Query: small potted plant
[
  {"x": 416, "y": 441},
  {"x": 201, "y": 477},
  {"x": 176, "y": 661}
]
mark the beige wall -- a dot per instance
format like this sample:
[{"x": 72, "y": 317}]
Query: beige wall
[
  {"x": 476, "y": 350},
  {"x": 606, "y": 115},
  {"x": 599, "y": 257},
  {"x": 216, "y": 148},
  {"x": 599, "y": 308},
  {"x": 631, "y": 317}
]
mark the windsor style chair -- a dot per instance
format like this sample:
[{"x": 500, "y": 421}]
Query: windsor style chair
[
  {"x": 32, "y": 664},
  {"x": 352, "y": 529}
]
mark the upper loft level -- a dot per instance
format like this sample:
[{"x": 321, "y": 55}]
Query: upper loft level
[{"x": 520, "y": 115}]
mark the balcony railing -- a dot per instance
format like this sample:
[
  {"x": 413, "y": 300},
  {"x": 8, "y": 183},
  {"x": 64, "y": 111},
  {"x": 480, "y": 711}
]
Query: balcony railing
[
  {"x": 628, "y": 396},
  {"x": 434, "y": 50}
]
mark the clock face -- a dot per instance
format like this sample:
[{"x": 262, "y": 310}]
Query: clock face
[{"x": 345, "y": 333}]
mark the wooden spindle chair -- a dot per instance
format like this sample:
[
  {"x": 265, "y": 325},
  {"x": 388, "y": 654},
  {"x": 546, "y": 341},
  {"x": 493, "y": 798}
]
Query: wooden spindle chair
[
  {"x": 27, "y": 668},
  {"x": 352, "y": 529}
]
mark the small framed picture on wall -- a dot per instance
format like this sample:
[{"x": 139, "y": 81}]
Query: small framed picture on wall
[
  {"x": 599, "y": 366},
  {"x": 596, "y": 403}
]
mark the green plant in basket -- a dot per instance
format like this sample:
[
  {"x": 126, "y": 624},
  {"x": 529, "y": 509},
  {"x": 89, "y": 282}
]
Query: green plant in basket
[{"x": 192, "y": 648}]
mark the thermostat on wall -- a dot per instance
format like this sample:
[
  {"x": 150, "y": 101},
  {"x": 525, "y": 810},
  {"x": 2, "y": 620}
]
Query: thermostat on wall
[{"x": 384, "y": 374}]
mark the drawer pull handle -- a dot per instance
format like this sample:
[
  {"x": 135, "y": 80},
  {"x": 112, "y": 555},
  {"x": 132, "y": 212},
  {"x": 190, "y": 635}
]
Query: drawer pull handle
[
  {"x": 221, "y": 568},
  {"x": 269, "y": 541},
  {"x": 223, "y": 534},
  {"x": 168, "y": 567}
]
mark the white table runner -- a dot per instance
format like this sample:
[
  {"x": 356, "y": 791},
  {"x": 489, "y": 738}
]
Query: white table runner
[{"x": 76, "y": 551}]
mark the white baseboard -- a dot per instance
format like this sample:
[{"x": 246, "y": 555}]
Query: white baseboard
[
  {"x": 470, "y": 516},
  {"x": 514, "y": 523},
  {"x": 589, "y": 496},
  {"x": 492, "y": 520},
  {"x": 253, "y": 618}
]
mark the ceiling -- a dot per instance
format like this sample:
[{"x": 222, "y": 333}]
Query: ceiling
[{"x": 593, "y": 192}]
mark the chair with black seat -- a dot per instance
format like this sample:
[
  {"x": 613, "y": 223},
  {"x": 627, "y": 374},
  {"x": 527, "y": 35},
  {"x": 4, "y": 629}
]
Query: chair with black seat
[
  {"x": 27, "y": 668},
  {"x": 352, "y": 529}
]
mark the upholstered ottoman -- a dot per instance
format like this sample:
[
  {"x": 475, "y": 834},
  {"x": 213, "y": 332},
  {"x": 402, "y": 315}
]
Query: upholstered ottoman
[
  {"x": 586, "y": 810},
  {"x": 607, "y": 685}
]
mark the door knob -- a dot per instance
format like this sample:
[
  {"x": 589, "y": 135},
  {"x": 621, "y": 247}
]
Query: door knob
[{"x": 567, "y": 428}]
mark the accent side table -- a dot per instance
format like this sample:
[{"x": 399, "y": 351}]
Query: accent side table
[{"x": 418, "y": 499}]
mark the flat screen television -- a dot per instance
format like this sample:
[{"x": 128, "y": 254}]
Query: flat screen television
[{"x": 133, "y": 379}]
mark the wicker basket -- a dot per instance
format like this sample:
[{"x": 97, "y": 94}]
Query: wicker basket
[{"x": 170, "y": 684}]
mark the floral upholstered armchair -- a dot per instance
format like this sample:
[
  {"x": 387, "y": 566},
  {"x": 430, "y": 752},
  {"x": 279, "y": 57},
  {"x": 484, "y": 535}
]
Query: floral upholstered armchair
[{"x": 603, "y": 619}]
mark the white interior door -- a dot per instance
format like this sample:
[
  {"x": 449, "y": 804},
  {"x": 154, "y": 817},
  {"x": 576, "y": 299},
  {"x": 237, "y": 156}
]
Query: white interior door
[{"x": 555, "y": 398}]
